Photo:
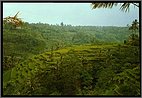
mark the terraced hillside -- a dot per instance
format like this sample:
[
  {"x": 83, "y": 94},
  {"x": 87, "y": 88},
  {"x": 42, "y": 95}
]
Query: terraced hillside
[{"x": 78, "y": 70}]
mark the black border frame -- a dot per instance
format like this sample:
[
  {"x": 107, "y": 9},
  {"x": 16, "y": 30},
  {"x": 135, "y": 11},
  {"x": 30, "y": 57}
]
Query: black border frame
[{"x": 71, "y": 1}]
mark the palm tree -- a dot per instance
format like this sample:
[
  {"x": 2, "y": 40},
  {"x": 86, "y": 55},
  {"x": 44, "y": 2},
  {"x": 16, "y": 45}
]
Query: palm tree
[
  {"x": 134, "y": 37},
  {"x": 15, "y": 21},
  {"x": 134, "y": 26},
  {"x": 124, "y": 6}
]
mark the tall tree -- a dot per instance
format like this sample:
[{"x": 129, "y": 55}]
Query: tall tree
[
  {"x": 134, "y": 37},
  {"x": 134, "y": 26},
  {"x": 62, "y": 24}
]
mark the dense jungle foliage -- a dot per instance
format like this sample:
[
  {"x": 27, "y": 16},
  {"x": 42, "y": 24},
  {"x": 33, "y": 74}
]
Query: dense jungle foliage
[{"x": 53, "y": 60}]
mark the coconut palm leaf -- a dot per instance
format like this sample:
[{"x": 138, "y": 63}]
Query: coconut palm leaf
[
  {"x": 103, "y": 5},
  {"x": 124, "y": 6},
  {"x": 16, "y": 15},
  {"x": 15, "y": 21}
]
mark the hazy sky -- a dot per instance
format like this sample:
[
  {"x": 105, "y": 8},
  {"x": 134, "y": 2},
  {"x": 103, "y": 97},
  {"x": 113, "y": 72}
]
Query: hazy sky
[{"x": 70, "y": 13}]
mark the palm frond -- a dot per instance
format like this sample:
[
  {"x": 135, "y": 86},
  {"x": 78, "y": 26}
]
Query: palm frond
[
  {"x": 16, "y": 15},
  {"x": 136, "y": 4},
  {"x": 103, "y": 5},
  {"x": 125, "y": 7}
]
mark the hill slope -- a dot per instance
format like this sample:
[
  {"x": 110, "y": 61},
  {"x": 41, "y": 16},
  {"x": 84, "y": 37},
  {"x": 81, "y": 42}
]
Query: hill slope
[
  {"x": 78, "y": 70},
  {"x": 37, "y": 38}
]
